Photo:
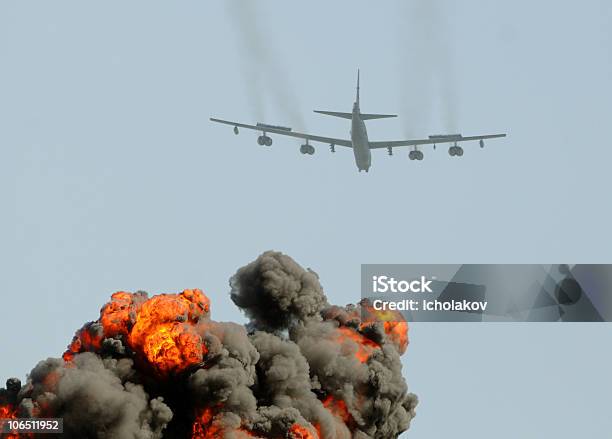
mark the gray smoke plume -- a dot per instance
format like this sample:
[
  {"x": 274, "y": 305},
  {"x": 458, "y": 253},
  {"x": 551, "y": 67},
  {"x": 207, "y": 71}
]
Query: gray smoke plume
[
  {"x": 231, "y": 373},
  {"x": 264, "y": 74},
  {"x": 427, "y": 70},
  {"x": 94, "y": 395},
  {"x": 274, "y": 291},
  {"x": 159, "y": 367}
]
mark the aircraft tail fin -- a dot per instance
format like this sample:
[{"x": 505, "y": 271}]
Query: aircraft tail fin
[
  {"x": 335, "y": 114},
  {"x": 357, "y": 101}
]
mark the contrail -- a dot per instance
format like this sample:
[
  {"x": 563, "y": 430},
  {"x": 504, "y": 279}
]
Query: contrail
[
  {"x": 426, "y": 66},
  {"x": 263, "y": 72}
]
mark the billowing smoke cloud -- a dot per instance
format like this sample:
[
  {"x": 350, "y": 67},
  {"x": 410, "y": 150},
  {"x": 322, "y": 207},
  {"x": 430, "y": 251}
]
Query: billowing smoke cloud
[
  {"x": 159, "y": 367},
  {"x": 264, "y": 74},
  {"x": 275, "y": 291},
  {"x": 427, "y": 74}
]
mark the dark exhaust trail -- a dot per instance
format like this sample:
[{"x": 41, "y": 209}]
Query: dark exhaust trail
[
  {"x": 263, "y": 73},
  {"x": 427, "y": 68},
  {"x": 159, "y": 367}
]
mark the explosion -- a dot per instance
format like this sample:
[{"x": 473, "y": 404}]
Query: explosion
[
  {"x": 395, "y": 327},
  {"x": 354, "y": 343},
  {"x": 7, "y": 406},
  {"x": 159, "y": 367},
  {"x": 161, "y": 330},
  {"x": 298, "y": 431}
]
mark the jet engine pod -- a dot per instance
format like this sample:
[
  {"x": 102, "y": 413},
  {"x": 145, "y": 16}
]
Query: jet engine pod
[
  {"x": 307, "y": 149},
  {"x": 236, "y": 130},
  {"x": 455, "y": 151},
  {"x": 416, "y": 155},
  {"x": 264, "y": 141}
]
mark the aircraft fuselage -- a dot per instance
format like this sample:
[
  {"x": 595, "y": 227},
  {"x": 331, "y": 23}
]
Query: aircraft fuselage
[{"x": 361, "y": 145}]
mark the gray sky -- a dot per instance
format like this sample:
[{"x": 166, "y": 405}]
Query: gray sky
[{"x": 113, "y": 178}]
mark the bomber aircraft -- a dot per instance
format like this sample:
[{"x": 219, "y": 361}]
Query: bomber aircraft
[{"x": 359, "y": 141}]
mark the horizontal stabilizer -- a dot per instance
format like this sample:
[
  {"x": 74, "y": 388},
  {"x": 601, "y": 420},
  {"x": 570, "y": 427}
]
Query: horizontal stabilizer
[
  {"x": 364, "y": 116},
  {"x": 336, "y": 114},
  {"x": 376, "y": 116}
]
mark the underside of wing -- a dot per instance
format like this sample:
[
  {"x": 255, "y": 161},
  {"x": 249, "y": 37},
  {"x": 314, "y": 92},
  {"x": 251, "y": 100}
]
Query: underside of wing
[
  {"x": 432, "y": 140},
  {"x": 284, "y": 131}
]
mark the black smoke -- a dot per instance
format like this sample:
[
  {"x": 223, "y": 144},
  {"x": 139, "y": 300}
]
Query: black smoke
[{"x": 300, "y": 363}]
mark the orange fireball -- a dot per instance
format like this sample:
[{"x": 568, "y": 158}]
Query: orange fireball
[
  {"x": 8, "y": 412},
  {"x": 394, "y": 323},
  {"x": 165, "y": 331},
  {"x": 118, "y": 315},
  {"x": 87, "y": 339},
  {"x": 356, "y": 343},
  {"x": 298, "y": 431},
  {"x": 161, "y": 330},
  {"x": 203, "y": 427},
  {"x": 337, "y": 407}
]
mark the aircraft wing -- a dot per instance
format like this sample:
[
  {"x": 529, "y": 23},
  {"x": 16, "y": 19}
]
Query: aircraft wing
[
  {"x": 432, "y": 140},
  {"x": 269, "y": 129}
]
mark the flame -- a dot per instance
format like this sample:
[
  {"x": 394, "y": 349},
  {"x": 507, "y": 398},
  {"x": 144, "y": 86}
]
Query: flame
[
  {"x": 165, "y": 331},
  {"x": 161, "y": 330},
  {"x": 394, "y": 323},
  {"x": 8, "y": 412},
  {"x": 203, "y": 427},
  {"x": 85, "y": 340},
  {"x": 166, "y": 335},
  {"x": 337, "y": 407},
  {"x": 355, "y": 342},
  {"x": 115, "y": 316},
  {"x": 398, "y": 334},
  {"x": 298, "y": 431}
]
